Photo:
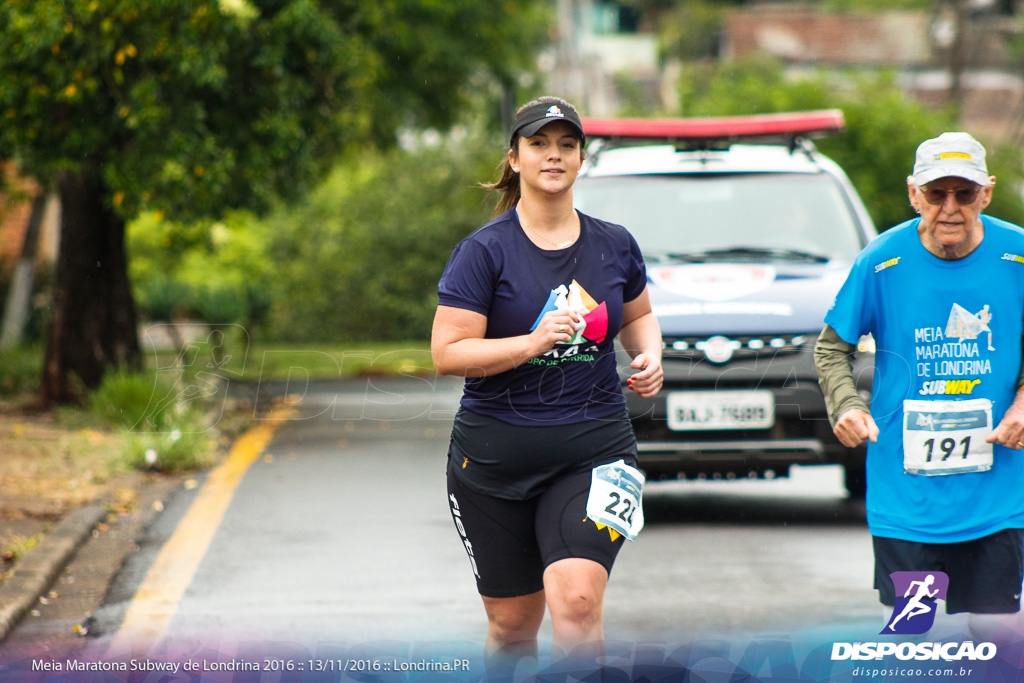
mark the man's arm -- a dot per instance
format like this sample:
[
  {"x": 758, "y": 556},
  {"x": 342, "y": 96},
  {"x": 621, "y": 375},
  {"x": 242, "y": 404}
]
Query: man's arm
[
  {"x": 847, "y": 412},
  {"x": 835, "y": 374}
]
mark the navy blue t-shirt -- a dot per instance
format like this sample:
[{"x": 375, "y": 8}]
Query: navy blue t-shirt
[{"x": 498, "y": 272}]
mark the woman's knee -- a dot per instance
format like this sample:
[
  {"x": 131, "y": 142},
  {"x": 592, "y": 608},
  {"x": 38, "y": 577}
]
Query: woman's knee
[
  {"x": 514, "y": 619},
  {"x": 575, "y": 590},
  {"x": 582, "y": 608}
]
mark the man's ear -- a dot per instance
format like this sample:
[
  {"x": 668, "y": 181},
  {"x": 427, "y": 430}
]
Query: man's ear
[
  {"x": 915, "y": 197},
  {"x": 986, "y": 196}
]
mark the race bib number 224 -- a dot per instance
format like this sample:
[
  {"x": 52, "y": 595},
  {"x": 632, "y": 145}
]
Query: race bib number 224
[{"x": 616, "y": 498}]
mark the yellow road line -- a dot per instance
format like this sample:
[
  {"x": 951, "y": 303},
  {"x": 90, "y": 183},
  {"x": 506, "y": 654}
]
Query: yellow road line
[{"x": 157, "y": 598}]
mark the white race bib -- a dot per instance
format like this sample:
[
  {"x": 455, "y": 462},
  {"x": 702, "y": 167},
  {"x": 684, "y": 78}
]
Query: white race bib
[
  {"x": 947, "y": 437},
  {"x": 616, "y": 498}
]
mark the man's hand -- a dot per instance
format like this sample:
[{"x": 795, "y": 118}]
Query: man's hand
[
  {"x": 1010, "y": 430},
  {"x": 854, "y": 426}
]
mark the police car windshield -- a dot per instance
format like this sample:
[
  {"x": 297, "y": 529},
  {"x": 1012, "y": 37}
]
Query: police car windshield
[{"x": 700, "y": 217}]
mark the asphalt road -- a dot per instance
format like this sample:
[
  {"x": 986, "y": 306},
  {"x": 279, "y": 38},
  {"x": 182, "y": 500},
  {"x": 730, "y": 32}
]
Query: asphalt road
[{"x": 339, "y": 532}]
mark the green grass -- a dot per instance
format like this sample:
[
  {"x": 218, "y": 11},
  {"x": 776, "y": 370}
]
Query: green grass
[
  {"x": 317, "y": 361},
  {"x": 20, "y": 369},
  {"x": 175, "y": 451},
  {"x": 178, "y": 442},
  {"x": 15, "y": 547},
  {"x": 131, "y": 401},
  {"x": 163, "y": 429},
  {"x": 160, "y": 411}
]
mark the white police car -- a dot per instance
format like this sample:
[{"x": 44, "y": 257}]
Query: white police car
[{"x": 748, "y": 232}]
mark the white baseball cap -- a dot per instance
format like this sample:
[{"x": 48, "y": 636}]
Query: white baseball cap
[{"x": 950, "y": 154}]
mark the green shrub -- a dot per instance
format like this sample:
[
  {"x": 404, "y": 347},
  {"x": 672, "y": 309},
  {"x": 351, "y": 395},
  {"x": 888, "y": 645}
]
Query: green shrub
[
  {"x": 20, "y": 370},
  {"x": 161, "y": 297},
  {"x": 360, "y": 259},
  {"x": 131, "y": 401},
  {"x": 216, "y": 272},
  {"x": 175, "y": 451},
  {"x": 164, "y": 429},
  {"x": 221, "y": 305}
]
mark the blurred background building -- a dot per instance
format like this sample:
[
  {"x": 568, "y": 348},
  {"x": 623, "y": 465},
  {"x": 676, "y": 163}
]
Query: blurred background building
[{"x": 968, "y": 52}]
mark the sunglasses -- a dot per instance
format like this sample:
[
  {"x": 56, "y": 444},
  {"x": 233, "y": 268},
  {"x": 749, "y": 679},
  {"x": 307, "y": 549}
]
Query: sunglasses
[{"x": 963, "y": 195}]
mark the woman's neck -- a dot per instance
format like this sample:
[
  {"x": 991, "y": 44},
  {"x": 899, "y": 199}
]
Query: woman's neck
[
  {"x": 551, "y": 214},
  {"x": 549, "y": 229}
]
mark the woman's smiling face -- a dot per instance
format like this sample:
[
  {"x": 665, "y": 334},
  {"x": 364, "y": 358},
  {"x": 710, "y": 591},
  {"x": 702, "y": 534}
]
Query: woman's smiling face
[{"x": 549, "y": 160}]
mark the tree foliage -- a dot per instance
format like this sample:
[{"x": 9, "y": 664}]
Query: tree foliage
[
  {"x": 190, "y": 109},
  {"x": 218, "y": 272},
  {"x": 883, "y": 127},
  {"x": 194, "y": 107},
  {"x": 368, "y": 250},
  {"x": 357, "y": 260}
]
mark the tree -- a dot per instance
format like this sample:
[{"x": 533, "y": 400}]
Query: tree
[
  {"x": 194, "y": 107},
  {"x": 376, "y": 236},
  {"x": 883, "y": 127}
]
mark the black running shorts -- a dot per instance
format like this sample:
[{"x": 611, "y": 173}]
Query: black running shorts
[
  {"x": 985, "y": 574},
  {"x": 512, "y": 540}
]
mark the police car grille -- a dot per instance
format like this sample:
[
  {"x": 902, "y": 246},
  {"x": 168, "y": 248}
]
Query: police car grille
[{"x": 744, "y": 347}]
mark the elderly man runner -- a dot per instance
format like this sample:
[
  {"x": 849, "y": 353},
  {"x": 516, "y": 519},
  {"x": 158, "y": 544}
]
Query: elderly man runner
[{"x": 943, "y": 296}]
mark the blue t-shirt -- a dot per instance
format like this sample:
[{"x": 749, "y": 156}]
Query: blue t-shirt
[
  {"x": 498, "y": 272},
  {"x": 944, "y": 330}
]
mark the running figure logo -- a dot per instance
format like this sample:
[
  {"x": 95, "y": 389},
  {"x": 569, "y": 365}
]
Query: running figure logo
[
  {"x": 914, "y": 613},
  {"x": 963, "y": 324}
]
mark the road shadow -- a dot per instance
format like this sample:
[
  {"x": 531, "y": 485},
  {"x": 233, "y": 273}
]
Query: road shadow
[{"x": 763, "y": 509}]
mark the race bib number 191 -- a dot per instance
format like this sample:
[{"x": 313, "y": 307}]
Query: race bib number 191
[
  {"x": 947, "y": 437},
  {"x": 616, "y": 498}
]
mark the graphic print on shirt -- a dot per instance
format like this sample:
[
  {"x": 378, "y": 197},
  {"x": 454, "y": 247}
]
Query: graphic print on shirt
[
  {"x": 591, "y": 330},
  {"x": 949, "y": 358},
  {"x": 965, "y": 325},
  {"x": 946, "y": 432}
]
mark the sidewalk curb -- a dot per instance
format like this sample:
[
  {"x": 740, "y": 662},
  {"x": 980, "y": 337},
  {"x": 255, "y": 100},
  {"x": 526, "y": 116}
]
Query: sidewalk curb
[{"x": 36, "y": 571}]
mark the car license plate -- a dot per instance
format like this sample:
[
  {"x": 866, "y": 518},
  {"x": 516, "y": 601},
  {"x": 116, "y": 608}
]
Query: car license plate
[{"x": 693, "y": 410}]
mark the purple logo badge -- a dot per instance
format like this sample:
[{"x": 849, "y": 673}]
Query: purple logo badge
[{"x": 916, "y": 593}]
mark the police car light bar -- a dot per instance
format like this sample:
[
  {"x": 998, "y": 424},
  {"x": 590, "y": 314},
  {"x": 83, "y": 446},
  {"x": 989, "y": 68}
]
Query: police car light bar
[{"x": 805, "y": 123}]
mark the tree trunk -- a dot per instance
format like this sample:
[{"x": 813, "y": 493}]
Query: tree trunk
[{"x": 93, "y": 322}]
